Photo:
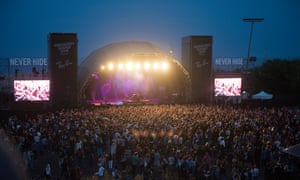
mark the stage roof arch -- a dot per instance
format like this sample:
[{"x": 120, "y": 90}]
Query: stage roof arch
[{"x": 130, "y": 50}]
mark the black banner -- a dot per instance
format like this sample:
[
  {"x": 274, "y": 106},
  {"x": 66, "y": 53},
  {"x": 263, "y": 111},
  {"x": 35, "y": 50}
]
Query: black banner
[
  {"x": 198, "y": 60},
  {"x": 63, "y": 61}
]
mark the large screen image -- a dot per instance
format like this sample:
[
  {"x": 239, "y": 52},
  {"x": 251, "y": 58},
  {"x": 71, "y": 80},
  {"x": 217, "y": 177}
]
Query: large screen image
[
  {"x": 228, "y": 86},
  {"x": 31, "y": 90}
]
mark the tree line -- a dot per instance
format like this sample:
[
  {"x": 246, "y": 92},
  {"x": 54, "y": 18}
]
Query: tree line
[{"x": 281, "y": 77}]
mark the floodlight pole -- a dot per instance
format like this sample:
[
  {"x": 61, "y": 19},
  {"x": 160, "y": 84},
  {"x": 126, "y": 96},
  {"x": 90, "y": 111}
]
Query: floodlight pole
[{"x": 252, "y": 21}]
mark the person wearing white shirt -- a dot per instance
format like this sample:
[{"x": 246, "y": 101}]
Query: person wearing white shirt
[
  {"x": 101, "y": 172},
  {"x": 78, "y": 145}
]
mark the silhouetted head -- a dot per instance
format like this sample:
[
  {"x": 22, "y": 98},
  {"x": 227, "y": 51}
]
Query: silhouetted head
[{"x": 11, "y": 162}]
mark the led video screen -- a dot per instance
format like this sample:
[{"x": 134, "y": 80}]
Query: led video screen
[
  {"x": 31, "y": 90},
  {"x": 227, "y": 86}
]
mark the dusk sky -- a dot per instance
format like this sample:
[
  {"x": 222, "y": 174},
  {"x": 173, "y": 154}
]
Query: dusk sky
[{"x": 25, "y": 25}]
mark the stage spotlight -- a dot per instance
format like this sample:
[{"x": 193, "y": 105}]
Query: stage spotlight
[
  {"x": 155, "y": 66},
  {"x": 137, "y": 66},
  {"x": 129, "y": 66},
  {"x": 147, "y": 66},
  {"x": 102, "y": 67},
  {"x": 164, "y": 66},
  {"x": 110, "y": 66},
  {"x": 120, "y": 66}
]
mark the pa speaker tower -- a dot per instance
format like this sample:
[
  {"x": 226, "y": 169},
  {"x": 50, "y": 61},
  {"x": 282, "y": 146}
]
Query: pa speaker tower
[
  {"x": 197, "y": 59},
  {"x": 62, "y": 54}
]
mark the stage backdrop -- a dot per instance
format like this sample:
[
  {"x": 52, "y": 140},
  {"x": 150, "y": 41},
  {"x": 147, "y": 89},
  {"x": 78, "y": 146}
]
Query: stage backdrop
[
  {"x": 197, "y": 59},
  {"x": 62, "y": 55}
]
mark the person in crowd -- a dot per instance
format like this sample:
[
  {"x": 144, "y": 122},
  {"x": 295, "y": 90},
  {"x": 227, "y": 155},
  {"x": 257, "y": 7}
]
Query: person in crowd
[
  {"x": 101, "y": 172},
  {"x": 77, "y": 173},
  {"x": 48, "y": 174}
]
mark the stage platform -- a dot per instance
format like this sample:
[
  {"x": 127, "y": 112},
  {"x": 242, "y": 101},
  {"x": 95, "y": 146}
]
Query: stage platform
[{"x": 122, "y": 102}]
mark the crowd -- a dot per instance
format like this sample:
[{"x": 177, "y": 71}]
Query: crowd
[{"x": 191, "y": 141}]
